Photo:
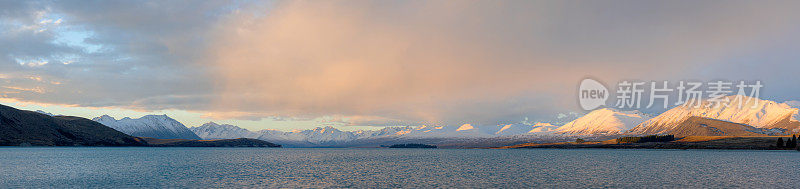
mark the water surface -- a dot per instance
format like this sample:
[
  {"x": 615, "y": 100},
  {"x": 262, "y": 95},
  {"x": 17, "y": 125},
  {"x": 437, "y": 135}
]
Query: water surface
[{"x": 392, "y": 168}]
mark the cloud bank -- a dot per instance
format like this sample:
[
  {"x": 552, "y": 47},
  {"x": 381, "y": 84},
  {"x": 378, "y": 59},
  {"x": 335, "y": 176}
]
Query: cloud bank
[
  {"x": 463, "y": 62},
  {"x": 378, "y": 62}
]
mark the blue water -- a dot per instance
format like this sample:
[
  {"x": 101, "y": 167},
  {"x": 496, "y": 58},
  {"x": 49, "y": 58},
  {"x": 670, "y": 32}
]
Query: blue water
[{"x": 393, "y": 168}]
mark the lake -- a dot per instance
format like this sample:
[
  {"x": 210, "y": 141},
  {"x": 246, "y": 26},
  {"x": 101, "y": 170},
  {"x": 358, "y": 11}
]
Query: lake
[{"x": 129, "y": 167}]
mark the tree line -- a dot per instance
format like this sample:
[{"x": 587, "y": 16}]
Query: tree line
[
  {"x": 410, "y": 145},
  {"x": 790, "y": 143},
  {"x": 649, "y": 138}
]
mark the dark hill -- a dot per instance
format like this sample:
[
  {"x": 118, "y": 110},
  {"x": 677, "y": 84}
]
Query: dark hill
[
  {"x": 239, "y": 142},
  {"x": 412, "y": 145},
  {"x": 20, "y": 127}
]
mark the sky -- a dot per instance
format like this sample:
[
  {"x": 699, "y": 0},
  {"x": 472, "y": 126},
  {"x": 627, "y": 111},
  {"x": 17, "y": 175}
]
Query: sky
[{"x": 368, "y": 64}]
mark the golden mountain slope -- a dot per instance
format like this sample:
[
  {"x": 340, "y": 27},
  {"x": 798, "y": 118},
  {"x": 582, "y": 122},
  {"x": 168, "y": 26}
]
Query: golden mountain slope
[{"x": 700, "y": 126}]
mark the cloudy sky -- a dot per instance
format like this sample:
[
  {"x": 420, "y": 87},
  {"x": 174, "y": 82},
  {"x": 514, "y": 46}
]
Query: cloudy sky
[{"x": 355, "y": 64}]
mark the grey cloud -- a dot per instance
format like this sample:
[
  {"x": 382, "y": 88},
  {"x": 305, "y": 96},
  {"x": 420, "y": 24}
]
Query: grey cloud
[
  {"x": 148, "y": 58},
  {"x": 390, "y": 62}
]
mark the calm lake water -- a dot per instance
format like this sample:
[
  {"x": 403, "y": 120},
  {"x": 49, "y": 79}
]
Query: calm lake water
[{"x": 393, "y": 168}]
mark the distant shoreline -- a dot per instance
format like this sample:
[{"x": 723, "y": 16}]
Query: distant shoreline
[{"x": 689, "y": 142}]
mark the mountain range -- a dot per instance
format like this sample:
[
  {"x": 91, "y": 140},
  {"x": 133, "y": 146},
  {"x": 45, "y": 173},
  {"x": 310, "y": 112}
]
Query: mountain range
[
  {"x": 755, "y": 117},
  {"x": 27, "y": 128},
  {"x": 604, "y": 121},
  {"x": 152, "y": 126}
]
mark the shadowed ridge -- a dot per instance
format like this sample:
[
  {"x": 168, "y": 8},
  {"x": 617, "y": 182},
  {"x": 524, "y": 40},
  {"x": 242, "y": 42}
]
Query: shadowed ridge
[
  {"x": 22, "y": 128},
  {"x": 239, "y": 142}
]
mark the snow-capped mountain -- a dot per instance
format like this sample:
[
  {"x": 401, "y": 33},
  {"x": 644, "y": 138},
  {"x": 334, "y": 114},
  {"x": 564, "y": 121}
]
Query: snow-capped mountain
[
  {"x": 452, "y": 131},
  {"x": 768, "y": 118},
  {"x": 514, "y": 129},
  {"x": 45, "y": 113},
  {"x": 153, "y": 126},
  {"x": 763, "y": 114},
  {"x": 319, "y": 135},
  {"x": 523, "y": 128},
  {"x": 603, "y": 121},
  {"x": 543, "y": 128},
  {"x": 564, "y": 118},
  {"x": 213, "y": 130},
  {"x": 330, "y": 136},
  {"x": 386, "y": 131}
]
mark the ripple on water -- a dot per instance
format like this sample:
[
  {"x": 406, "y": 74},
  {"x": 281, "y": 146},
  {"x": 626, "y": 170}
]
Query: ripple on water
[{"x": 393, "y": 168}]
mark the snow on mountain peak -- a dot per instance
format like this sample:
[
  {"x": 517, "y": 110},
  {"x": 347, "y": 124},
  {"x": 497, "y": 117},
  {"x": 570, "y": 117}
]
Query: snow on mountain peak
[
  {"x": 157, "y": 117},
  {"x": 212, "y": 130},
  {"x": 506, "y": 127},
  {"x": 604, "y": 121},
  {"x": 601, "y": 121},
  {"x": 421, "y": 127},
  {"x": 513, "y": 129},
  {"x": 45, "y": 113},
  {"x": 740, "y": 109},
  {"x": 465, "y": 127},
  {"x": 154, "y": 126},
  {"x": 543, "y": 128}
]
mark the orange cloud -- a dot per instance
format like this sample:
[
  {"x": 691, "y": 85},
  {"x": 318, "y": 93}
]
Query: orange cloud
[
  {"x": 448, "y": 61},
  {"x": 39, "y": 90}
]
